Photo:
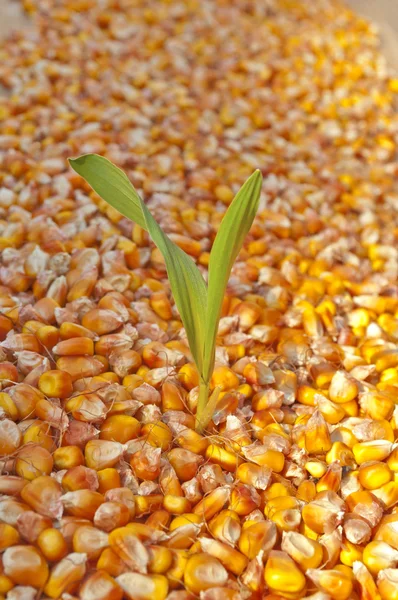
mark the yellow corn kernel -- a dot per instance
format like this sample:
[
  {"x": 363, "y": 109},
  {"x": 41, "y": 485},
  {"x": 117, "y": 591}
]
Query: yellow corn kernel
[
  {"x": 147, "y": 504},
  {"x": 323, "y": 374},
  {"x": 256, "y": 537},
  {"x": 333, "y": 413},
  {"x": 316, "y": 468},
  {"x": 342, "y": 388},
  {"x": 192, "y": 441},
  {"x": 108, "y": 479},
  {"x": 8, "y": 406},
  {"x": 317, "y": 437},
  {"x": 276, "y": 490},
  {"x": 351, "y": 409},
  {"x": 160, "y": 559},
  {"x": 70, "y": 570},
  {"x": 211, "y": 504},
  {"x": 224, "y": 378},
  {"x": 268, "y": 458},
  {"x": 308, "y": 532},
  {"x": 307, "y": 395},
  {"x": 377, "y": 405},
  {"x": 9, "y": 536},
  {"x": 230, "y": 558},
  {"x": 220, "y": 456},
  {"x": 350, "y": 553},
  {"x": 378, "y": 555},
  {"x": 282, "y": 574},
  {"x": 341, "y": 453},
  {"x": 67, "y": 457},
  {"x": 364, "y": 580},
  {"x": 344, "y": 435},
  {"x": 307, "y": 553},
  {"x": 39, "y": 433},
  {"x": 331, "y": 480},
  {"x": 150, "y": 587},
  {"x": 158, "y": 434},
  {"x": 324, "y": 513},
  {"x": 52, "y": 544},
  {"x": 392, "y": 461},
  {"x": 185, "y": 519},
  {"x": 332, "y": 581},
  {"x": 306, "y": 491},
  {"x": 176, "y": 505},
  {"x": 255, "y": 475},
  {"x": 387, "y": 494},
  {"x": 374, "y": 475},
  {"x": 280, "y": 503},
  {"x": 202, "y": 572},
  {"x": 6, "y": 584},
  {"x": 56, "y": 384},
  {"x": 188, "y": 375},
  {"x": 226, "y": 527},
  {"x": 375, "y": 450}
]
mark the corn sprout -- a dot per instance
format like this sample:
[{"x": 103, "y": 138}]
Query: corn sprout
[{"x": 199, "y": 304}]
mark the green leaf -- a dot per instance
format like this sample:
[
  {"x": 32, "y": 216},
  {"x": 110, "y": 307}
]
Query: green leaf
[
  {"x": 112, "y": 184},
  {"x": 186, "y": 281},
  {"x": 229, "y": 240}
]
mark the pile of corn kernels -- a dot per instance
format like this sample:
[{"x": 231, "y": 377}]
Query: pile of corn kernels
[{"x": 107, "y": 492}]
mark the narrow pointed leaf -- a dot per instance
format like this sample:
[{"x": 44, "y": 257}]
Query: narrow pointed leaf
[
  {"x": 229, "y": 240},
  {"x": 186, "y": 281},
  {"x": 112, "y": 184}
]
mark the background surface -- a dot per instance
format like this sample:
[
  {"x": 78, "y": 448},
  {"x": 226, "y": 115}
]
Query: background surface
[{"x": 383, "y": 12}]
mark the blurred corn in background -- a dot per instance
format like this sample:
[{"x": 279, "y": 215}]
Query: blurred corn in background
[{"x": 106, "y": 490}]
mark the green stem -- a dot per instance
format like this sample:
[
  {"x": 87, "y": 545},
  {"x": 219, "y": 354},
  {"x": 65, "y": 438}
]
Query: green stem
[{"x": 201, "y": 422}]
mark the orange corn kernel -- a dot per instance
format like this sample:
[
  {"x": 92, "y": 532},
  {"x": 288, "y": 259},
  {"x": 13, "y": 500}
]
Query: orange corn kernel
[
  {"x": 39, "y": 433},
  {"x": 82, "y": 503},
  {"x": 108, "y": 479},
  {"x": 67, "y": 457},
  {"x": 25, "y": 565},
  {"x": 9, "y": 536},
  {"x": 56, "y": 384},
  {"x": 43, "y": 496},
  {"x": 223, "y": 457},
  {"x": 65, "y": 574},
  {"x": 188, "y": 375},
  {"x": 189, "y": 439},
  {"x": 111, "y": 515},
  {"x": 90, "y": 541},
  {"x": 74, "y": 347},
  {"x": 120, "y": 428},
  {"x": 33, "y": 461},
  {"x": 52, "y": 544},
  {"x": 102, "y": 454},
  {"x": 101, "y": 321},
  {"x": 185, "y": 463},
  {"x": 69, "y": 330},
  {"x": 102, "y": 586},
  {"x": 224, "y": 378},
  {"x": 213, "y": 503},
  {"x": 79, "y": 367},
  {"x": 110, "y": 562},
  {"x": 158, "y": 434}
]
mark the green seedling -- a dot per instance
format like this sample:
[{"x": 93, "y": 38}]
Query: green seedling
[{"x": 199, "y": 304}]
